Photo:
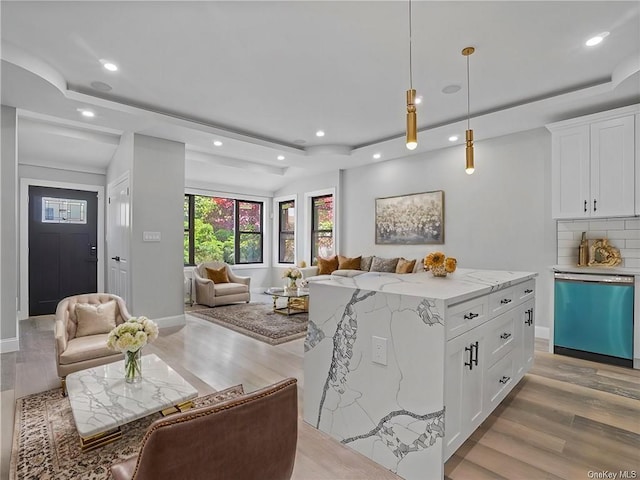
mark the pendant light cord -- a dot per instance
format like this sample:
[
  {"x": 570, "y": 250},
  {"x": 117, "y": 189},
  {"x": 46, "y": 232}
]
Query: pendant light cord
[{"x": 410, "y": 53}]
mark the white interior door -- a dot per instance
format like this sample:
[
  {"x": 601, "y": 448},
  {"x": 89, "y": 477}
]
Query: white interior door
[{"x": 119, "y": 226}]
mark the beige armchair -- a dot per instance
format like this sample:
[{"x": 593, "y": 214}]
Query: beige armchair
[
  {"x": 82, "y": 342},
  {"x": 213, "y": 293},
  {"x": 251, "y": 437}
]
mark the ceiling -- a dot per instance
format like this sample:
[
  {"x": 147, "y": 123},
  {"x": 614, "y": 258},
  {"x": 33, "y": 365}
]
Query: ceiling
[{"x": 264, "y": 76}]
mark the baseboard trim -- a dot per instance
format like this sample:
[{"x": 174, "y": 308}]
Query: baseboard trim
[
  {"x": 9, "y": 345},
  {"x": 175, "y": 321},
  {"x": 542, "y": 332}
]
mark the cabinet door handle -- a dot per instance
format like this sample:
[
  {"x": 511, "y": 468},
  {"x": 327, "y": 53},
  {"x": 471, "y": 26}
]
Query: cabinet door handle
[
  {"x": 470, "y": 316},
  {"x": 529, "y": 319},
  {"x": 505, "y": 335},
  {"x": 470, "y": 362},
  {"x": 585, "y": 205},
  {"x": 475, "y": 347},
  {"x": 528, "y": 291},
  {"x": 504, "y": 301},
  {"x": 594, "y": 205},
  {"x": 504, "y": 379}
]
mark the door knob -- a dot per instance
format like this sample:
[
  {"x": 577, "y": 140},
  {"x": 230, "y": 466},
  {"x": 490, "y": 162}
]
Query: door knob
[{"x": 116, "y": 258}]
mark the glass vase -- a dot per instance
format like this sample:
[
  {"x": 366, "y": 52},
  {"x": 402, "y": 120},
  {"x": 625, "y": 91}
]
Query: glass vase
[{"x": 133, "y": 366}]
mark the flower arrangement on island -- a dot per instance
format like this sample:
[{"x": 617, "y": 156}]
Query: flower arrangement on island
[
  {"x": 293, "y": 274},
  {"x": 129, "y": 337},
  {"x": 439, "y": 264}
]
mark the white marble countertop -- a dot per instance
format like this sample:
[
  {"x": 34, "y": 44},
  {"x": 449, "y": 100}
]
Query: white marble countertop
[
  {"x": 596, "y": 270},
  {"x": 101, "y": 400},
  {"x": 456, "y": 287}
]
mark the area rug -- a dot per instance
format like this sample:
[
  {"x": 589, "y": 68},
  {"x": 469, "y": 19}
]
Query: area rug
[
  {"x": 46, "y": 445},
  {"x": 257, "y": 320}
]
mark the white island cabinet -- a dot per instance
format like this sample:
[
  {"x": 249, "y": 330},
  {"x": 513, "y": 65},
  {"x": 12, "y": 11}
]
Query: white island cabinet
[{"x": 403, "y": 368}]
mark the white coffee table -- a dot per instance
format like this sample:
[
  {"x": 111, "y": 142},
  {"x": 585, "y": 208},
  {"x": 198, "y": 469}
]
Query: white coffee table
[{"x": 101, "y": 400}]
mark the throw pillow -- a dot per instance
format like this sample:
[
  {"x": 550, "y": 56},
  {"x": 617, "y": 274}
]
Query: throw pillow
[
  {"x": 327, "y": 265},
  {"x": 365, "y": 263},
  {"x": 217, "y": 275},
  {"x": 346, "y": 263},
  {"x": 384, "y": 264},
  {"x": 405, "y": 266},
  {"x": 93, "y": 319}
]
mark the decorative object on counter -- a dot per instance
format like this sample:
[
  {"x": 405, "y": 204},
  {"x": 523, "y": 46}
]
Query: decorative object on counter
[
  {"x": 293, "y": 274},
  {"x": 129, "y": 338},
  {"x": 415, "y": 219},
  {"x": 583, "y": 251},
  {"x": 439, "y": 265},
  {"x": 604, "y": 255}
]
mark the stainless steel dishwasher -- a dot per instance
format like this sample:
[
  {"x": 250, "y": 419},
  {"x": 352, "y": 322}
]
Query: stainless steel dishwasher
[{"x": 593, "y": 317}]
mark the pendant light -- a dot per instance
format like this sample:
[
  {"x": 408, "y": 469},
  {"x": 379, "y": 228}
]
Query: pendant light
[
  {"x": 412, "y": 121},
  {"x": 470, "y": 168}
]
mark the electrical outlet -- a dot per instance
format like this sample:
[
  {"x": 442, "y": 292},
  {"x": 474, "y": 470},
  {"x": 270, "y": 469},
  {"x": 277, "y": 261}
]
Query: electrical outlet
[{"x": 379, "y": 350}]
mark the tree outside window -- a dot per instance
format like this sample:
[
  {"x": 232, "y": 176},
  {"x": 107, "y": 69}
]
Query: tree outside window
[
  {"x": 222, "y": 229},
  {"x": 321, "y": 227}
]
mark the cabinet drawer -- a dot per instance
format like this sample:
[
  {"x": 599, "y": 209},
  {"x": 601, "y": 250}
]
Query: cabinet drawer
[
  {"x": 525, "y": 291},
  {"x": 501, "y": 336},
  {"x": 502, "y": 300},
  {"x": 464, "y": 316},
  {"x": 499, "y": 381}
]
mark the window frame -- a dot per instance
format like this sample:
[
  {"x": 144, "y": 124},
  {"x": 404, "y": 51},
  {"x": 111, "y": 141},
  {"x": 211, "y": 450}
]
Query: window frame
[
  {"x": 236, "y": 200},
  {"x": 308, "y": 204},
  {"x": 277, "y": 229}
]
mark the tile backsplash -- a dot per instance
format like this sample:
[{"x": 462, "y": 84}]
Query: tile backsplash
[{"x": 623, "y": 233}]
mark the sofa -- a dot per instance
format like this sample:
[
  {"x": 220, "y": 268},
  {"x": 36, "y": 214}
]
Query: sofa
[{"x": 341, "y": 266}]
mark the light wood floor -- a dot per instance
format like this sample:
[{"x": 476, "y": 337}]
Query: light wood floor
[{"x": 565, "y": 419}]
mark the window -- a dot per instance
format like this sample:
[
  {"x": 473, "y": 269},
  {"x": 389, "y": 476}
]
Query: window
[
  {"x": 287, "y": 231},
  {"x": 222, "y": 229},
  {"x": 321, "y": 227},
  {"x": 64, "y": 210}
]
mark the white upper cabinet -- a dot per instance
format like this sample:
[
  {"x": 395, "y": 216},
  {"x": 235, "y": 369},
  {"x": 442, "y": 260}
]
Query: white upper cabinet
[{"x": 593, "y": 165}]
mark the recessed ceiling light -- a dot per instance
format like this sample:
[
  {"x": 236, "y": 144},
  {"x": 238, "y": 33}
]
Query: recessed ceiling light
[
  {"x": 453, "y": 138},
  {"x": 217, "y": 143},
  {"x": 593, "y": 41},
  {"x": 451, "y": 89},
  {"x": 103, "y": 87},
  {"x": 280, "y": 157},
  {"x": 108, "y": 65},
  {"x": 376, "y": 156},
  {"x": 86, "y": 113},
  {"x": 320, "y": 133}
]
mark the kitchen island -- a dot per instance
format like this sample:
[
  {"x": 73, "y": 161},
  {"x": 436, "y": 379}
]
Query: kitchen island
[{"x": 386, "y": 355}]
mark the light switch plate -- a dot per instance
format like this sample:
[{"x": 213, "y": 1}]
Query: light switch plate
[{"x": 151, "y": 236}]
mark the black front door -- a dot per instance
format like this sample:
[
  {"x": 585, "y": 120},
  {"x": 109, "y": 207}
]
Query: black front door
[{"x": 63, "y": 254}]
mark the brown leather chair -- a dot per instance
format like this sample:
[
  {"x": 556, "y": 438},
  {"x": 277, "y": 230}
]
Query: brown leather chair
[{"x": 251, "y": 437}]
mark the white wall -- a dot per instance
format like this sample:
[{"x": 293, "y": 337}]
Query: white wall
[
  {"x": 122, "y": 160},
  {"x": 157, "y": 199},
  {"x": 498, "y": 218},
  {"x": 9, "y": 232}
]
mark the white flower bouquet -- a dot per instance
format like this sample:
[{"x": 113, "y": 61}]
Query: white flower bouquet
[
  {"x": 132, "y": 335},
  {"x": 129, "y": 337},
  {"x": 292, "y": 274}
]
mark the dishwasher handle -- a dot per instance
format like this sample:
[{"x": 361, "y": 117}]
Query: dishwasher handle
[{"x": 587, "y": 277}]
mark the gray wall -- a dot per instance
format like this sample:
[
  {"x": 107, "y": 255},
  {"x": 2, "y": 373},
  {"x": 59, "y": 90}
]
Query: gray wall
[
  {"x": 157, "y": 199},
  {"x": 498, "y": 218},
  {"x": 59, "y": 175},
  {"x": 9, "y": 231}
]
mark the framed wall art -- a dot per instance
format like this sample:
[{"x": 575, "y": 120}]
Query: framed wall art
[{"x": 416, "y": 219}]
